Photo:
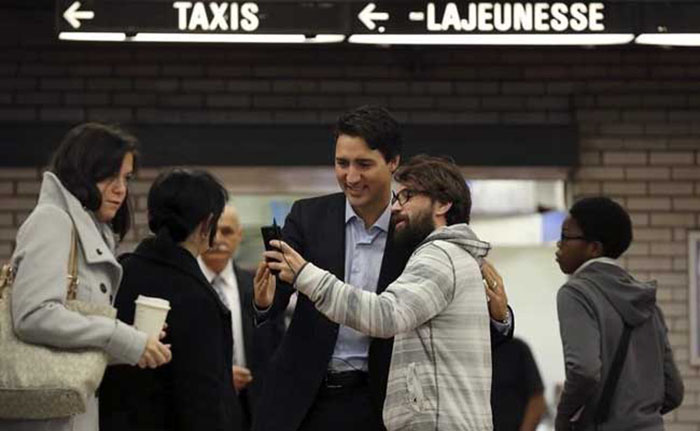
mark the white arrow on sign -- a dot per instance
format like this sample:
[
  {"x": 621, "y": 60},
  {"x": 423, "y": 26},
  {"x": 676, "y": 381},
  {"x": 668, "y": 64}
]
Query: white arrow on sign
[
  {"x": 73, "y": 15},
  {"x": 367, "y": 15}
]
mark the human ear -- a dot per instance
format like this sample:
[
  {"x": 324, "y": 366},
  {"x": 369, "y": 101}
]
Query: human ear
[
  {"x": 596, "y": 249},
  {"x": 442, "y": 208},
  {"x": 394, "y": 163}
]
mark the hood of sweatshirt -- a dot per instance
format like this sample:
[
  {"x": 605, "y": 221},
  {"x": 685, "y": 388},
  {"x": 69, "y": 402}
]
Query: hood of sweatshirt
[
  {"x": 634, "y": 300},
  {"x": 461, "y": 235}
]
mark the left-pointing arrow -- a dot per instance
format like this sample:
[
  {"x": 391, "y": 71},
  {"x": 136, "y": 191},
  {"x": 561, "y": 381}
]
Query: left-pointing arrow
[
  {"x": 73, "y": 15},
  {"x": 367, "y": 15}
]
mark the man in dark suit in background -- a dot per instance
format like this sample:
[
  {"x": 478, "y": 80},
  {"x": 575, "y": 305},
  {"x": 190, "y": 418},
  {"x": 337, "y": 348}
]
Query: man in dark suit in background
[
  {"x": 325, "y": 376},
  {"x": 252, "y": 347}
]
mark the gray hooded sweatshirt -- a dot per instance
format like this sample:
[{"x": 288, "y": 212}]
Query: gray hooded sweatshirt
[
  {"x": 592, "y": 306},
  {"x": 440, "y": 373}
]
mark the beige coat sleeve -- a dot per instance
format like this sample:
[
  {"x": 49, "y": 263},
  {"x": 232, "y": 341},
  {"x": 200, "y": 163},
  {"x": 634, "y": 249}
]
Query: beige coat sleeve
[{"x": 39, "y": 316}]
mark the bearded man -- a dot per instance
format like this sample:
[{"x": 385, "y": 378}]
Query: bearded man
[{"x": 436, "y": 310}]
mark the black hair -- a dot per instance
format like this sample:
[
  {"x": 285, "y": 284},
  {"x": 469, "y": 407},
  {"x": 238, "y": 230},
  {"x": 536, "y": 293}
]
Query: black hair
[
  {"x": 439, "y": 178},
  {"x": 375, "y": 125},
  {"x": 604, "y": 220},
  {"x": 88, "y": 154},
  {"x": 180, "y": 199}
]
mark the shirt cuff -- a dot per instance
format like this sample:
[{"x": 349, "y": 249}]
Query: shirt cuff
[
  {"x": 260, "y": 313},
  {"x": 503, "y": 326}
]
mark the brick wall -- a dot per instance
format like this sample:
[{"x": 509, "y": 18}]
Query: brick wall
[{"x": 636, "y": 110}]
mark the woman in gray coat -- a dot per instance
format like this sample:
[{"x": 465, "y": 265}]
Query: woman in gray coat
[{"x": 86, "y": 191}]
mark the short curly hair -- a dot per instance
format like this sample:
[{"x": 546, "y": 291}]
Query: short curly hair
[{"x": 604, "y": 220}]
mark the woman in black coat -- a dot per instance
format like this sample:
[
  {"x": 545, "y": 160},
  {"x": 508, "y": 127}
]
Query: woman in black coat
[{"x": 195, "y": 391}]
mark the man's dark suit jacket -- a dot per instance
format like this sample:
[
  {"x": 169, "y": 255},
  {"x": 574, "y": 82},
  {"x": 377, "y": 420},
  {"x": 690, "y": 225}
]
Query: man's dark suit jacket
[
  {"x": 316, "y": 229},
  {"x": 195, "y": 390},
  {"x": 259, "y": 342}
]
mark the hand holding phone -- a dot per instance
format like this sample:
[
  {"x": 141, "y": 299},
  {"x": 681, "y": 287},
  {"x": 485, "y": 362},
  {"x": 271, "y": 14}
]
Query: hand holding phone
[{"x": 269, "y": 233}]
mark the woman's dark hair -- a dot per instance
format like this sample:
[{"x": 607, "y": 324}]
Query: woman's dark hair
[
  {"x": 88, "y": 154},
  {"x": 375, "y": 125},
  {"x": 604, "y": 220},
  {"x": 439, "y": 178},
  {"x": 180, "y": 199}
]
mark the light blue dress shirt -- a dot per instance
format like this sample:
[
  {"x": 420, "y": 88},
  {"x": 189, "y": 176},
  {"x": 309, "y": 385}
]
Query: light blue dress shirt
[{"x": 364, "y": 251}]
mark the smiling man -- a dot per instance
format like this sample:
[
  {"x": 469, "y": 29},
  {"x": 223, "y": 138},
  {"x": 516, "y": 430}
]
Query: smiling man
[
  {"x": 327, "y": 376},
  {"x": 440, "y": 372}
]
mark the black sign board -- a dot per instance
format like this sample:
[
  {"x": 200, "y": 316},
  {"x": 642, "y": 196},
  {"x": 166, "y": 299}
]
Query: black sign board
[
  {"x": 346, "y": 17},
  {"x": 494, "y": 17},
  {"x": 155, "y": 16}
]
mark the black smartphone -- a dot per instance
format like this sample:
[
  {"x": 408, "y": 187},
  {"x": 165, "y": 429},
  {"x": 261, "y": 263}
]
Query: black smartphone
[{"x": 269, "y": 233}]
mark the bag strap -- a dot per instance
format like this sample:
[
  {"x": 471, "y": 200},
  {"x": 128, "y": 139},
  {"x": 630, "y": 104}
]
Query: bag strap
[
  {"x": 73, "y": 267},
  {"x": 7, "y": 277},
  {"x": 603, "y": 409},
  {"x": 7, "y": 273}
]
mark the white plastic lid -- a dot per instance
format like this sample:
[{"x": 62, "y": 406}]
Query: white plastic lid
[{"x": 153, "y": 302}]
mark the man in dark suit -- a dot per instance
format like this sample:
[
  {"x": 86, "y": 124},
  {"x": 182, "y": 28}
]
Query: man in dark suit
[
  {"x": 325, "y": 376},
  {"x": 252, "y": 347}
]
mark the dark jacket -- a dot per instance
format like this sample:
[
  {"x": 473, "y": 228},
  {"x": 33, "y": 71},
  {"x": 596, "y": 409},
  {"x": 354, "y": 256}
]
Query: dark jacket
[
  {"x": 316, "y": 229},
  {"x": 195, "y": 390},
  {"x": 260, "y": 344},
  {"x": 592, "y": 307}
]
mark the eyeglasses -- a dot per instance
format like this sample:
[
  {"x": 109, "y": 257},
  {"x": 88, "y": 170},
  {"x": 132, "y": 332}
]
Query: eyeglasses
[
  {"x": 404, "y": 196},
  {"x": 564, "y": 237}
]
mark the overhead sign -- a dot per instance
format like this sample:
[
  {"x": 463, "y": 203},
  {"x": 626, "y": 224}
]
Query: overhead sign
[
  {"x": 336, "y": 17},
  {"x": 493, "y": 17},
  {"x": 157, "y": 16},
  {"x": 175, "y": 20}
]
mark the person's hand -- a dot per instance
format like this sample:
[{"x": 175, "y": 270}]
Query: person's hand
[
  {"x": 155, "y": 354},
  {"x": 285, "y": 259},
  {"x": 264, "y": 285},
  {"x": 498, "y": 301},
  {"x": 241, "y": 377}
]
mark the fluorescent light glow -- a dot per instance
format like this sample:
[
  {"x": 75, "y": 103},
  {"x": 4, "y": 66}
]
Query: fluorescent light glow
[
  {"x": 325, "y": 38},
  {"x": 234, "y": 38},
  {"x": 493, "y": 39},
  {"x": 669, "y": 39},
  {"x": 89, "y": 36},
  {"x": 201, "y": 37}
]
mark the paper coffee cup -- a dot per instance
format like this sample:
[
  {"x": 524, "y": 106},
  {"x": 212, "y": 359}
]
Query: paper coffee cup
[{"x": 150, "y": 314}]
